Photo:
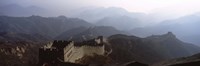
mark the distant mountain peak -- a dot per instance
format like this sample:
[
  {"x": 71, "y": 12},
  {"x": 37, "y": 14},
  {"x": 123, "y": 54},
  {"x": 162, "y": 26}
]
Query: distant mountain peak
[
  {"x": 165, "y": 37},
  {"x": 35, "y": 16},
  {"x": 170, "y": 34},
  {"x": 62, "y": 17}
]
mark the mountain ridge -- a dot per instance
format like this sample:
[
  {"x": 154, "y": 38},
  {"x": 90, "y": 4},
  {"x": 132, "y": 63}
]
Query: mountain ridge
[
  {"x": 51, "y": 26},
  {"x": 134, "y": 48}
]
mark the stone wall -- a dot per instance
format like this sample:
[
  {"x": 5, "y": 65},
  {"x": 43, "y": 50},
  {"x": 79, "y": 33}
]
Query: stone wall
[
  {"x": 78, "y": 52},
  {"x": 67, "y": 51},
  {"x": 91, "y": 50}
]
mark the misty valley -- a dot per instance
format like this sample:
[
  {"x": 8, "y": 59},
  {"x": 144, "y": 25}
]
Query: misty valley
[{"x": 107, "y": 35}]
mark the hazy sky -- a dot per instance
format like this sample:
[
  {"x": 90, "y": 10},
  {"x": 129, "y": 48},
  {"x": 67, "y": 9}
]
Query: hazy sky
[{"x": 178, "y": 7}]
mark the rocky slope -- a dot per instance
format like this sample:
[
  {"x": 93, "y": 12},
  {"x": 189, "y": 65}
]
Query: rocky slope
[
  {"x": 186, "y": 61},
  {"x": 19, "y": 53}
]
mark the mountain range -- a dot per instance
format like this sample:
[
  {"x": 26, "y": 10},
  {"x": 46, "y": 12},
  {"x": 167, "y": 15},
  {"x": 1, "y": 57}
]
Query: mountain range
[
  {"x": 59, "y": 27},
  {"x": 33, "y": 29},
  {"x": 50, "y": 27},
  {"x": 118, "y": 18}
]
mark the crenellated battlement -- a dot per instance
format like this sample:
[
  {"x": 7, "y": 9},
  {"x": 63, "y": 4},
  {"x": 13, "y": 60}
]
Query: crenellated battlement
[
  {"x": 60, "y": 44},
  {"x": 60, "y": 41},
  {"x": 98, "y": 46},
  {"x": 47, "y": 49}
]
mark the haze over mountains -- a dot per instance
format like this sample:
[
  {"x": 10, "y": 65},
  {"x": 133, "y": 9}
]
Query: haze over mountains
[
  {"x": 186, "y": 28},
  {"x": 17, "y": 10},
  {"x": 129, "y": 36},
  {"x": 87, "y": 13},
  {"x": 138, "y": 24},
  {"x": 143, "y": 25}
]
